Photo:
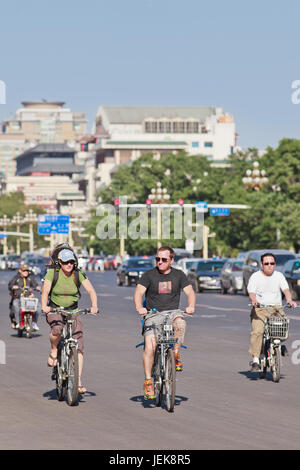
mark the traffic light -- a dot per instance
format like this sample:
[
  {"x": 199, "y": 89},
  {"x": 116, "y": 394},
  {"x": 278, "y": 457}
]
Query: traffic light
[
  {"x": 148, "y": 202},
  {"x": 117, "y": 205},
  {"x": 180, "y": 202}
]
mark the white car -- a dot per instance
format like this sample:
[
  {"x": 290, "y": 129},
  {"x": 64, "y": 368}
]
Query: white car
[
  {"x": 83, "y": 262},
  {"x": 185, "y": 264}
]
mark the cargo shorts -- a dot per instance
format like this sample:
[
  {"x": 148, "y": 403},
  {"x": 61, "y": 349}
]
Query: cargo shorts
[
  {"x": 153, "y": 325},
  {"x": 57, "y": 323}
]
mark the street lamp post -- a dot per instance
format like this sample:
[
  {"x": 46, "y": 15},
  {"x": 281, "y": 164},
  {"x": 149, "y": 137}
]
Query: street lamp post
[
  {"x": 18, "y": 220},
  {"x": 31, "y": 218},
  {"x": 4, "y": 221},
  {"x": 255, "y": 178},
  {"x": 159, "y": 196}
]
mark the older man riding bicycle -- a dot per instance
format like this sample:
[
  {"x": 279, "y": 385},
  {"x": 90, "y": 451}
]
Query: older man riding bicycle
[{"x": 162, "y": 287}]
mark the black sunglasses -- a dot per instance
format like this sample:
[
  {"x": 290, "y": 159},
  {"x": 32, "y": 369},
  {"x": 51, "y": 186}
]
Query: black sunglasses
[
  {"x": 164, "y": 260},
  {"x": 67, "y": 262},
  {"x": 267, "y": 264}
]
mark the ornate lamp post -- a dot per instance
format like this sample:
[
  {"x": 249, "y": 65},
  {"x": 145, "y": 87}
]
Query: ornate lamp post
[
  {"x": 31, "y": 218},
  {"x": 4, "y": 221},
  {"x": 18, "y": 220},
  {"x": 255, "y": 178},
  {"x": 159, "y": 196}
]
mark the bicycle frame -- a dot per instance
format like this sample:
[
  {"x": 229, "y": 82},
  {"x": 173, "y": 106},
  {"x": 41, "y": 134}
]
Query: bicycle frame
[
  {"x": 271, "y": 351},
  {"x": 67, "y": 354}
]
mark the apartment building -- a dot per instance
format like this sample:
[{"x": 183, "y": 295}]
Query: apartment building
[
  {"x": 35, "y": 123},
  {"x": 125, "y": 133}
]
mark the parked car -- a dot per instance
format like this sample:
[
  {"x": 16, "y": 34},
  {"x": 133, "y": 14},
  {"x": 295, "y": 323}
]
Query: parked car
[
  {"x": 206, "y": 274},
  {"x": 252, "y": 263},
  {"x": 185, "y": 264},
  {"x": 110, "y": 262},
  {"x": 242, "y": 255},
  {"x": 3, "y": 262},
  {"x": 83, "y": 260},
  {"x": 37, "y": 265},
  {"x": 96, "y": 263},
  {"x": 13, "y": 261},
  {"x": 232, "y": 276},
  {"x": 291, "y": 271},
  {"x": 132, "y": 269}
]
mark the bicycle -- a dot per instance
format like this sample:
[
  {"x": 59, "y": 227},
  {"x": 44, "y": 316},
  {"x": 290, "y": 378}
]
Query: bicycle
[
  {"x": 66, "y": 372},
  {"x": 28, "y": 307},
  {"x": 276, "y": 331},
  {"x": 163, "y": 369}
]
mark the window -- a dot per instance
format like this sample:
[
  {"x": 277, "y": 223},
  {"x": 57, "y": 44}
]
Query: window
[
  {"x": 195, "y": 144},
  {"x": 208, "y": 144}
]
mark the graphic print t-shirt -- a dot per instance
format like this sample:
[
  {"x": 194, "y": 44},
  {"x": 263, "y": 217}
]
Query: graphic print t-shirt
[{"x": 163, "y": 290}]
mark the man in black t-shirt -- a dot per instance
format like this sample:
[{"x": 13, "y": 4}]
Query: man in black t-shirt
[{"x": 162, "y": 287}]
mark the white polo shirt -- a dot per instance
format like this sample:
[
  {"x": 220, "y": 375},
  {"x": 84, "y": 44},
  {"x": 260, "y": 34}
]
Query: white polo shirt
[{"x": 267, "y": 288}]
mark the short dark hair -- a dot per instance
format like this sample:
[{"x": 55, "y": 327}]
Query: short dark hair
[
  {"x": 165, "y": 248},
  {"x": 267, "y": 254}
]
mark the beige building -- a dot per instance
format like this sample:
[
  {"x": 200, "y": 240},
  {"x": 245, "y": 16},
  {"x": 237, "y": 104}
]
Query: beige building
[{"x": 35, "y": 123}]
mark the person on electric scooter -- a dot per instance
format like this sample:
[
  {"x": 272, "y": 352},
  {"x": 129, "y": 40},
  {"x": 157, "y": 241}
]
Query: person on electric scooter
[{"x": 24, "y": 278}]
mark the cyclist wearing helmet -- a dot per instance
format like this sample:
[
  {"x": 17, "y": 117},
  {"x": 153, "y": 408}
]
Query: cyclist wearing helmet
[{"x": 65, "y": 293}]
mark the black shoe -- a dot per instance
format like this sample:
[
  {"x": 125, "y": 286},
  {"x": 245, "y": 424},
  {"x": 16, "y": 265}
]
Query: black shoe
[
  {"x": 284, "y": 350},
  {"x": 255, "y": 367}
]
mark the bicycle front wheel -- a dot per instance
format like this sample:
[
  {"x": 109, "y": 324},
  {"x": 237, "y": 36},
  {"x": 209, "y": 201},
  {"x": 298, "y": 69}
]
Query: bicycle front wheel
[
  {"x": 276, "y": 365},
  {"x": 73, "y": 377},
  {"x": 157, "y": 379},
  {"x": 60, "y": 376},
  {"x": 170, "y": 383}
]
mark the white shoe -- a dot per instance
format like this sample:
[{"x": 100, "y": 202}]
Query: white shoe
[{"x": 35, "y": 327}]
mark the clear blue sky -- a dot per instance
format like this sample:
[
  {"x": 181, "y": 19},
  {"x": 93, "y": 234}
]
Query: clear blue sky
[{"x": 242, "y": 56}]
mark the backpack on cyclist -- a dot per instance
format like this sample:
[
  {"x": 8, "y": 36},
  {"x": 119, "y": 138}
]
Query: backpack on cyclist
[{"x": 54, "y": 264}]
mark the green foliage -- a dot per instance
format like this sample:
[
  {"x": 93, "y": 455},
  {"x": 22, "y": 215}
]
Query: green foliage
[{"x": 271, "y": 222}]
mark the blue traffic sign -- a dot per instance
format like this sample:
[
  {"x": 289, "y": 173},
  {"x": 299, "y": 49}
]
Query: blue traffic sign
[
  {"x": 3, "y": 235},
  {"x": 48, "y": 224},
  {"x": 201, "y": 206},
  {"x": 219, "y": 211}
]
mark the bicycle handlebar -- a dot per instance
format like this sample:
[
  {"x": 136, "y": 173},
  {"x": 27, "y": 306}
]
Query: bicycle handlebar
[
  {"x": 263, "y": 306},
  {"x": 167, "y": 313},
  {"x": 62, "y": 311}
]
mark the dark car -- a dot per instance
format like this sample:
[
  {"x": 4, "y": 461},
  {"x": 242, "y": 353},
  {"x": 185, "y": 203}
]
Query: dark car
[
  {"x": 206, "y": 274},
  {"x": 291, "y": 271},
  {"x": 232, "y": 276},
  {"x": 37, "y": 265},
  {"x": 252, "y": 263},
  {"x": 132, "y": 269}
]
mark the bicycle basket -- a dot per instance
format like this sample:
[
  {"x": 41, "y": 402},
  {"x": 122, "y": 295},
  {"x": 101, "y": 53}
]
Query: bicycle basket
[
  {"x": 29, "y": 304},
  {"x": 278, "y": 327}
]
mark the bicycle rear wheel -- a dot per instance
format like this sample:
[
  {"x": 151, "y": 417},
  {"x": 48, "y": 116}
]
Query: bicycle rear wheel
[
  {"x": 73, "y": 377},
  {"x": 61, "y": 386},
  {"x": 156, "y": 378},
  {"x": 170, "y": 383}
]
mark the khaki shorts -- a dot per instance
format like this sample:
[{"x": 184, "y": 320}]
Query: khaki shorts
[
  {"x": 153, "y": 324},
  {"x": 56, "y": 323}
]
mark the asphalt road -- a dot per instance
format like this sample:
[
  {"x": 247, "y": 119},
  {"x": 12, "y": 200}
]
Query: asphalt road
[{"x": 219, "y": 403}]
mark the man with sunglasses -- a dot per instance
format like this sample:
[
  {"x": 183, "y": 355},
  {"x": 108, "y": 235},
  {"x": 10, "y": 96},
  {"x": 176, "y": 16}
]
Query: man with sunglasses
[
  {"x": 65, "y": 293},
  {"x": 265, "y": 289},
  {"x": 22, "y": 279},
  {"x": 162, "y": 287}
]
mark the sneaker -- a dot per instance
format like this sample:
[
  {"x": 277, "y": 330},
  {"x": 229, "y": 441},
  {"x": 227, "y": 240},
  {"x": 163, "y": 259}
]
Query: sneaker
[
  {"x": 35, "y": 327},
  {"x": 178, "y": 363},
  {"x": 255, "y": 367},
  {"x": 148, "y": 390}
]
